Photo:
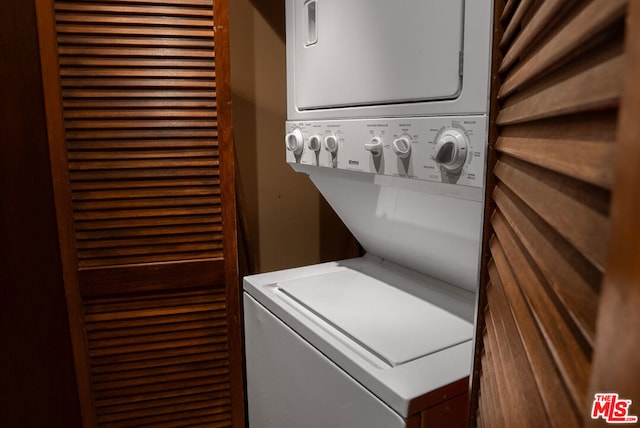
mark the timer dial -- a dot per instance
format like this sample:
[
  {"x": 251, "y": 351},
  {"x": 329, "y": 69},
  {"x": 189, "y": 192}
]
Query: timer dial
[{"x": 451, "y": 149}]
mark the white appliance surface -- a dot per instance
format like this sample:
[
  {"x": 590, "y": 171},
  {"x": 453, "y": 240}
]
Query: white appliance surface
[
  {"x": 396, "y": 370},
  {"x": 352, "y": 45},
  {"x": 387, "y": 107},
  {"x": 392, "y": 324},
  {"x": 411, "y": 210},
  {"x": 291, "y": 384},
  {"x": 381, "y": 58}
]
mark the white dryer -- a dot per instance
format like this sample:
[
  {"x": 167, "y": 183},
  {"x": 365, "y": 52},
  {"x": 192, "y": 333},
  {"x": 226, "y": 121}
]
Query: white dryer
[{"x": 387, "y": 115}]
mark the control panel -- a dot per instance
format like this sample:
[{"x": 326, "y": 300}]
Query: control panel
[{"x": 438, "y": 149}]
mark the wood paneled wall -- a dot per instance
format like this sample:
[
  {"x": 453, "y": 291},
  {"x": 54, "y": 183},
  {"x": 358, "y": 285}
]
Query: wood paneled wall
[
  {"x": 559, "y": 78},
  {"x": 138, "y": 104}
]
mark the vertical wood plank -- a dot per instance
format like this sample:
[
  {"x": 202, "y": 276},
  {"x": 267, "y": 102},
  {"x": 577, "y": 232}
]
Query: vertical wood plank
[
  {"x": 616, "y": 366},
  {"x": 227, "y": 160},
  {"x": 64, "y": 210}
]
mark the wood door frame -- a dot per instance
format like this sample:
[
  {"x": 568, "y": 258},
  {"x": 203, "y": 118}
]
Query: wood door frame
[
  {"x": 228, "y": 197},
  {"x": 63, "y": 204},
  {"x": 616, "y": 366}
]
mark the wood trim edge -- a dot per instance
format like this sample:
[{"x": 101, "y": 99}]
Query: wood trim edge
[{"x": 45, "y": 16}]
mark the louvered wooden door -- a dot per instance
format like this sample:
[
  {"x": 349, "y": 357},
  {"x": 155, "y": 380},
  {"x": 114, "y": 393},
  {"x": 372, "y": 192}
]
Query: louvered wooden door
[
  {"x": 559, "y": 76},
  {"x": 140, "y": 138}
]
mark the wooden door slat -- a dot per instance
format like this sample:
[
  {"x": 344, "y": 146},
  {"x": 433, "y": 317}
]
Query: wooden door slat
[
  {"x": 207, "y": 228},
  {"x": 84, "y": 188},
  {"x": 97, "y": 225},
  {"x": 195, "y": 365},
  {"x": 86, "y": 75},
  {"x": 149, "y": 379},
  {"x": 515, "y": 21},
  {"x": 192, "y": 3},
  {"x": 540, "y": 21},
  {"x": 71, "y": 63},
  {"x": 167, "y": 388},
  {"x": 581, "y": 130},
  {"x": 127, "y": 175},
  {"x": 145, "y": 193},
  {"x": 147, "y": 213},
  {"x": 146, "y": 251},
  {"x": 196, "y": 404},
  {"x": 550, "y": 385},
  {"x": 520, "y": 383},
  {"x": 508, "y": 8},
  {"x": 115, "y": 304},
  {"x": 140, "y": 20},
  {"x": 569, "y": 96},
  {"x": 153, "y": 363},
  {"x": 152, "y": 40},
  {"x": 137, "y": 93},
  {"x": 571, "y": 360},
  {"x": 585, "y": 160},
  {"x": 575, "y": 212},
  {"x": 178, "y": 417},
  {"x": 133, "y": 9},
  {"x": 563, "y": 270},
  {"x": 587, "y": 24},
  {"x": 134, "y": 133},
  {"x": 95, "y": 112},
  {"x": 502, "y": 383},
  {"x": 124, "y": 52},
  {"x": 492, "y": 360},
  {"x": 161, "y": 403},
  {"x": 140, "y": 163},
  {"x": 114, "y": 28},
  {"x": 105, "y": 125},
  {"x": 153, "y": 397}
]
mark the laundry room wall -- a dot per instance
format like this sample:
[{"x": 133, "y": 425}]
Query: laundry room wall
[{"x": 287, "y": 221}]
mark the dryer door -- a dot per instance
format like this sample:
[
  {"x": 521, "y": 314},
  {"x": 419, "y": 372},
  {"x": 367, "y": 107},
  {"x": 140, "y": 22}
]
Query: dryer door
[{"x": 365, "y": 52}]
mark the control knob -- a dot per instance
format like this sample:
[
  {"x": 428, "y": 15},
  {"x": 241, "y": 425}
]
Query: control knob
[
  {"x": 331, "y": 143},
  {"x": 451, "y": 149},
  {"x": 314, "y": 143},
  {"x": 402, "y": 146},
  {"x": 295, "y": 141},
  {"x": 374, "y": 146}
]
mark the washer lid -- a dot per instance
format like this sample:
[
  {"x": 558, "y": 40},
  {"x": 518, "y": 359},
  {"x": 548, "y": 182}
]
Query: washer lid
[{"x": 390, "y": 323}]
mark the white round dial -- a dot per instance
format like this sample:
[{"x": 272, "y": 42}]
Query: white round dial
[
  {"x": 331, "y": 144},
  {"x": 295, "y": 141},
  {"x": 402, "y": 146},
  {"x": 374, "y": 146},
  {"x": 314, "y": 143},
  {"x": 451, "y": 149}
]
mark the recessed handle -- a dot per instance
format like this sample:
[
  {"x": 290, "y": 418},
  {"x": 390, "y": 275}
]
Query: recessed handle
[{"x": 311, "y": 22}]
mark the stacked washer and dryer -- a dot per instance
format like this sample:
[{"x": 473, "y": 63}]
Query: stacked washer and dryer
[{"x": 387, "y": 115}]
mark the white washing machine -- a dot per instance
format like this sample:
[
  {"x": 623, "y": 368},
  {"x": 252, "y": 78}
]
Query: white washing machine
[
  {"x": 360, "y": 343},
  {"x": 387, "y": 109}
]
